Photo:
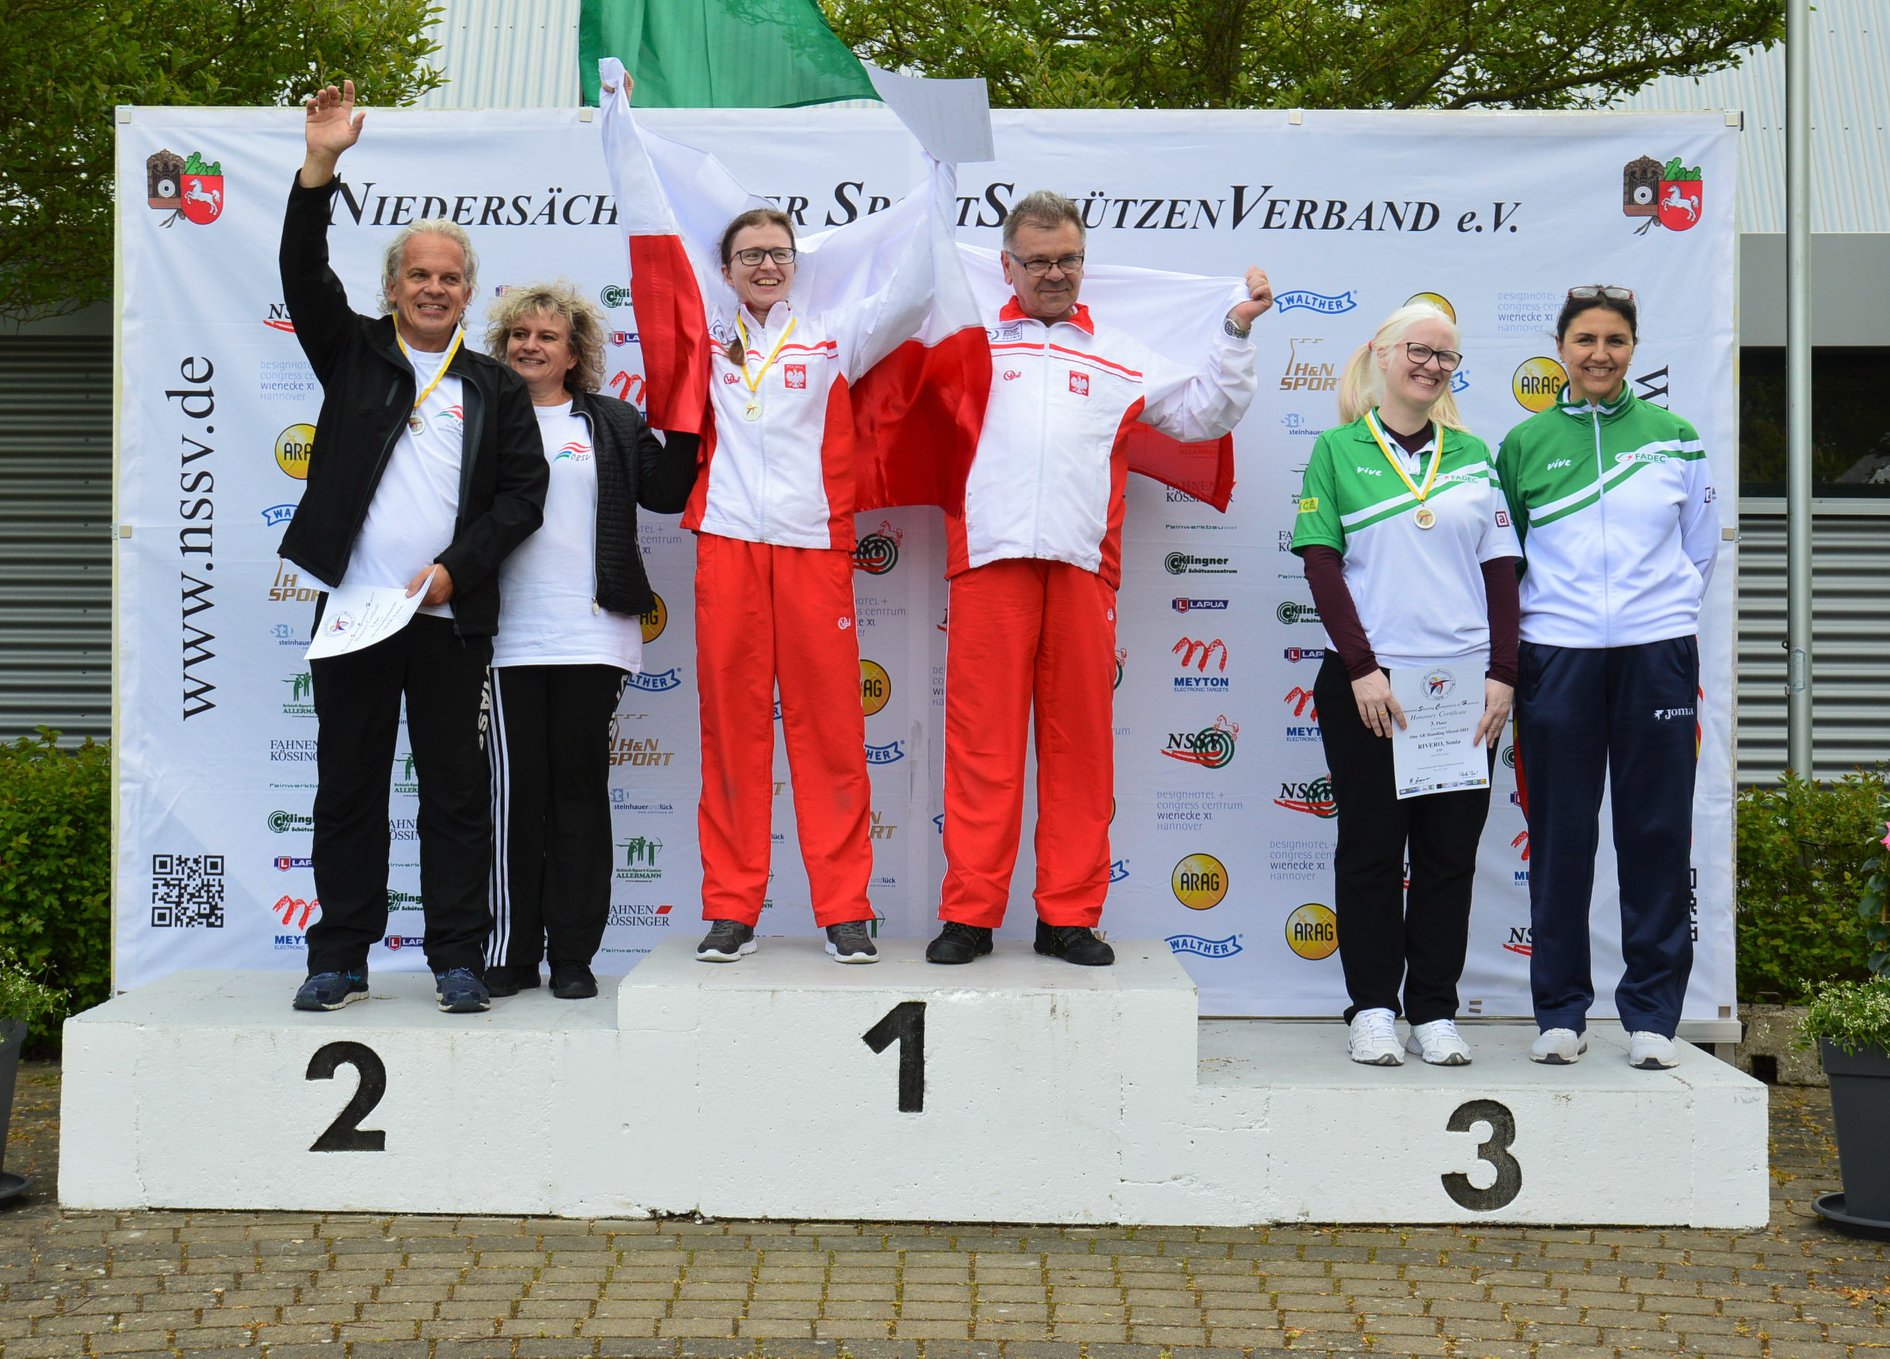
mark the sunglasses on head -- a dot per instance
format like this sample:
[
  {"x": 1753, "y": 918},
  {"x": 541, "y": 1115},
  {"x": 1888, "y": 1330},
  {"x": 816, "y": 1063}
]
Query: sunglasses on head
[{"x": 1588, "y": 292}]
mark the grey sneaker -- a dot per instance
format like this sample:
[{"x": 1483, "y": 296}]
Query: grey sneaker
[
  {"x": 849, "y": 942},
  {"x": 726, "y": 941},
  {"x": 331, "y": 990},
  {"x": 461, "y": 991}
]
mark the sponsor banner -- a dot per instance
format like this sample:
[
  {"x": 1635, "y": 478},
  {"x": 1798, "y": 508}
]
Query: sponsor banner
[{"x": 1222, "y": 836}]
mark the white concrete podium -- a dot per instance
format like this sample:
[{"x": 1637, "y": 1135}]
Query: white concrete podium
[{"x": 1015, "y": 1089}]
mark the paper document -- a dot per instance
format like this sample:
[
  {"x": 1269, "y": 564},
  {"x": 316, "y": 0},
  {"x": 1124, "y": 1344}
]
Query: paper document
[
  {"x": 358, "y": 616},
  {"x": 951, "y": 118},
  {"x": 1442, "y": 702}
]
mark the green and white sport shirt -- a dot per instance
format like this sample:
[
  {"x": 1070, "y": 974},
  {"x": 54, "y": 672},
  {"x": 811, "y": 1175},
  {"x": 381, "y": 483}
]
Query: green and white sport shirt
[{"x": 1419, "y": 592}]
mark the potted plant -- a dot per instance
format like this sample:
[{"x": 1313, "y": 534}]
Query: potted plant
[
  {"x": 24, "y": 999},
  {"x": 1851, "y": 1022}
]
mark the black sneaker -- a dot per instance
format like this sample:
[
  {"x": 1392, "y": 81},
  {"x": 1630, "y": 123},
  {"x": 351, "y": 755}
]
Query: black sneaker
[
  {"x": 726, "y": 941},
  {"x": 849, "y": 942},
  {"x": 331, "y": 990},
  {"x": 460, "y": 991},
  {"x": 958, "y": 943},
  {"x": 572, "y": 981},
  {"x": 1073, "y": 944},
  {"x": 508, "y": 979}
]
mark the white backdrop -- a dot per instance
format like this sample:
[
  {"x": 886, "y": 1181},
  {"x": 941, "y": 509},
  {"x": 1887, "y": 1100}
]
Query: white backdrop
[{"x": 1221, "y": 843}]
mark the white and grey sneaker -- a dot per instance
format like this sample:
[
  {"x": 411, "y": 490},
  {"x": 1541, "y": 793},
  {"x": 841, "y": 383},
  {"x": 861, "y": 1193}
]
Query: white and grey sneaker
[
  {"x": 849, "y": 942},
  {"x": 1558, "y": 1047},
  {"x": 726, "y": 941},
  {"x": 1651, "y": 1052},
  {"x": 1373, "y": 1039},
  {"x": 1438, "y": 1043}
]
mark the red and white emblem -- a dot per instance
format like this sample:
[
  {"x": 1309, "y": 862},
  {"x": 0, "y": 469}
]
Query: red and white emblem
[
  {"x": 1679, "y": 203},
  {"x": 1079, "y": 383},
  {"x": 203, "y": 198},
  {"x": 794, "y": 376}
]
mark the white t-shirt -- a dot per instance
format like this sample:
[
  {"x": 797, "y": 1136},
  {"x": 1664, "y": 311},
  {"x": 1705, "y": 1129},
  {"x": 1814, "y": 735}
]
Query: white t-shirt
[
  {"x": 548, "y": 614},
  {"x": 410, "y": 520}
]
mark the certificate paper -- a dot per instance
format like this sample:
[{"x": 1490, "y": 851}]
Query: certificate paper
[
  {"x": 1442, "y": 704},
  {"x": 358, "y": 616}
]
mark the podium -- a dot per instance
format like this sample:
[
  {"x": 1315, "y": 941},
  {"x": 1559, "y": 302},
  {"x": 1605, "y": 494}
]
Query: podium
[{"x": 1014, "y": 1089}]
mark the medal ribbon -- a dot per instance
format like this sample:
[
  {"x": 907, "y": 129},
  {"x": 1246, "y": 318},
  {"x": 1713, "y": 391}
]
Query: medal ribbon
[
  {"x": 446, "y": 363},
  {"x": 755, "y": 382},
  {"x": 1397, "y": 463}
]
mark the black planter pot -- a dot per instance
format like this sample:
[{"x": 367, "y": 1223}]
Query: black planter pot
[
  {"x": 12, "y": 1039},
  {"x": 1860, "y": 1107}
]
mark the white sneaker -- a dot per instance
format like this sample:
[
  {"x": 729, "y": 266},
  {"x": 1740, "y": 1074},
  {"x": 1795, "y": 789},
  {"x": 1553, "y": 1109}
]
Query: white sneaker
[
  {"x": 1651, "y": 1052},
  {"x": 1374, "y": 1039},
  {"x": 1558, "y": 1047},
  {"x": 1438, "y": 1043}
]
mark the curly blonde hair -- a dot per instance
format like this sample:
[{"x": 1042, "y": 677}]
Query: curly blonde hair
[{"x": 553, "y": 299}]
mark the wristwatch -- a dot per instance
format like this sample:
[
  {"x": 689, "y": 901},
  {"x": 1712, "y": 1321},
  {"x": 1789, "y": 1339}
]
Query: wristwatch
[{"x": 1238, "y": 333}]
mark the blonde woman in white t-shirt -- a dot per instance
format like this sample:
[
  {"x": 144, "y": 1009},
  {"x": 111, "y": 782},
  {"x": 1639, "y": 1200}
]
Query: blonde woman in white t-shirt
[{"x": 570, "y": 633}]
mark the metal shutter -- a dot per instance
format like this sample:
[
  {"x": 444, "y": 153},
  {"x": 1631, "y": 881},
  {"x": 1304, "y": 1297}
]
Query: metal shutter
[
  {"x": 55, "y": 545},
  {"x": 1850, "y": 638}
]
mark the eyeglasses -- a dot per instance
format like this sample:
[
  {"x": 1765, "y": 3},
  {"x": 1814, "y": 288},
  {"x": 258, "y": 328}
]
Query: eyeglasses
[
  {"x": 1421, "y": 354},
  {"x": 1069, "y": 264},
  {"x": 754, "y": 254},
  {"x": 1588, "y": 292}
]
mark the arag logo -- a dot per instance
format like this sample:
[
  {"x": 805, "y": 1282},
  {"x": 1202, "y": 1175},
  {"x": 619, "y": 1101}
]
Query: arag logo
[
  {"x": 1211, "y": 747},
  {"x": 293, "y": 447},
  {"x": 1199, "y": 882},
  {"x": 875, "y": 686},
  {"x": 878, "y": 552},
  {"x": 1669, "y": 194},
  {"x": 1536, "y": 381},
  {"x": 185, "y": 186},
  {"x": 1314, "y": 797},
  {"x": 1312, "y": 931},
  {"x": 655, "y": 620},
  {"x": 1437, "y": 300}
]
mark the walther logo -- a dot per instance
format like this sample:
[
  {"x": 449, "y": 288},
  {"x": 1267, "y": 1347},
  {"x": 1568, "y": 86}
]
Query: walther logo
[
  {"x": 1204, "y": 948},
  {"x": 1536, "y": 382},
  {"x": 1200, "y": 882},
  {"x": 1211, "y": 747},
  {"x": 655, "y": 620},
  {"x": 1313, "y": 797},
  {"x": 878, "y": 553},
  {"x": 1312, "y": 931},
  {"x": 292, "y": 449},
  {"x": 875, "y": 686},
  {"x": 657, "y": 682}
]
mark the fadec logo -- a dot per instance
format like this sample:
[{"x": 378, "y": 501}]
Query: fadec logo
[
  {"x": 187, "y": 186},
  {"x": 655, "y": 620},
  {"x": 1314, "y": 797},
  {"x": 1312, "y": 931},
  {"x": 1079, "y": 383},
  {"x": 1668, "y": 195},
  {"x": 794, "y": 376},
  {"x": 1211, "y": 747},
  {"x": 1536, "y": 381},
  {"x": 875, "y": 686},
  {"x": 1199, "y": 882},
  {"x": 292, "y": 450},
  {"x": 878, "y": 552}
]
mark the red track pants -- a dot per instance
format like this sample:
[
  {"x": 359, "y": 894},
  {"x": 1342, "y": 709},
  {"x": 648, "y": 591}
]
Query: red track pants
[
  {"x": 1024, "y": 631},
  {"x": 767, "y": 614}
]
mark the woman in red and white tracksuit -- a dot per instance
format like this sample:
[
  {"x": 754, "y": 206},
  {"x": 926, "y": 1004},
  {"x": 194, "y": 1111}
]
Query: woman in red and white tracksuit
[{"x": 773, "y": 511}]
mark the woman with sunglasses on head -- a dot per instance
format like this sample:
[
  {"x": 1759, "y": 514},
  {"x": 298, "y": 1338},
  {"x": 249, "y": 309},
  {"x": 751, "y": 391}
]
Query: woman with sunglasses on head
[
  {"x": 1407, "y": 549},
  {"x": 1613, "y": 502},
  {"x": 773, "y": 516}
]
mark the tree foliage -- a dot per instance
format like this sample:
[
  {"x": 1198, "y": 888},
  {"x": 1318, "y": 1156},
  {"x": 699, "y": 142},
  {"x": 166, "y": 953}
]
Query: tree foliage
[
  {"x": 1391, "y": 54},
  {"x": 64, "y": 65}
]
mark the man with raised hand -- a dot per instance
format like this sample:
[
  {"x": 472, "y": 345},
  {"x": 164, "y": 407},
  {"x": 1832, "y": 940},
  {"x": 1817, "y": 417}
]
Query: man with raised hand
[
  {"x": 426, "y": 471},
  {"x": 1034, "y": 557}
]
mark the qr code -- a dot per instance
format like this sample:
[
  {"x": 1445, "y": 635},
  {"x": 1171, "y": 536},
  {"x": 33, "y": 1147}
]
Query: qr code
[{"x": 187, "y": 891}]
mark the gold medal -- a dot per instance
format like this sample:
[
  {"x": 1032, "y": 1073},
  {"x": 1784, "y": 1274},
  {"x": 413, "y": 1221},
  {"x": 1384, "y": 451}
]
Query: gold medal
[
  {"x": 752, "y": 411},
  {"x": 415, "y": 423},
  {"x": 1426, "y": 517}
]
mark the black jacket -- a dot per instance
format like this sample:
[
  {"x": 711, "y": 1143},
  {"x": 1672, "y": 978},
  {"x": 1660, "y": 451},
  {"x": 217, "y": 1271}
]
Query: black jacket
[
  {"x": 367, "y": 394},
  {"x": 634, "y": 468}
]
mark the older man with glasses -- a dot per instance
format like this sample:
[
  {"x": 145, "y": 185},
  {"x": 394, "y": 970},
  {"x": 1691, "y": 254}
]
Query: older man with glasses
[{"x": 1034, "y": 557}]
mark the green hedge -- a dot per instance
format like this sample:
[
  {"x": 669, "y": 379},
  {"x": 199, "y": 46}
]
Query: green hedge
[
  {"x": 1801, "y": 847},
  {"x": 55, "y": 869}
]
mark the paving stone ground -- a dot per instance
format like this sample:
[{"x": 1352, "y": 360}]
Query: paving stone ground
[{"x": 357, "y": 1286}]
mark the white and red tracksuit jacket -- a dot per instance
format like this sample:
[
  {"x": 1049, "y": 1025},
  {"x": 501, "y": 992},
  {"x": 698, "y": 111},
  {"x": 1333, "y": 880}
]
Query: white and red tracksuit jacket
[{"x": 1048, "y": 476}]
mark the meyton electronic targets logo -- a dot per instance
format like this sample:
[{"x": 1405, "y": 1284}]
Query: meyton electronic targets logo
[
  {"x": 1536, "y": 381},
  {"x": 1199, "y": 882},
  {"x": 875, "y": 686},
  {"x": 185, "y": 186},
  {"x": 1201, "y": 654},
  {"x": 878, "y": 552},
  {"x": 1669, "y": 195},
  {"x": 1312, "y": 931}
]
